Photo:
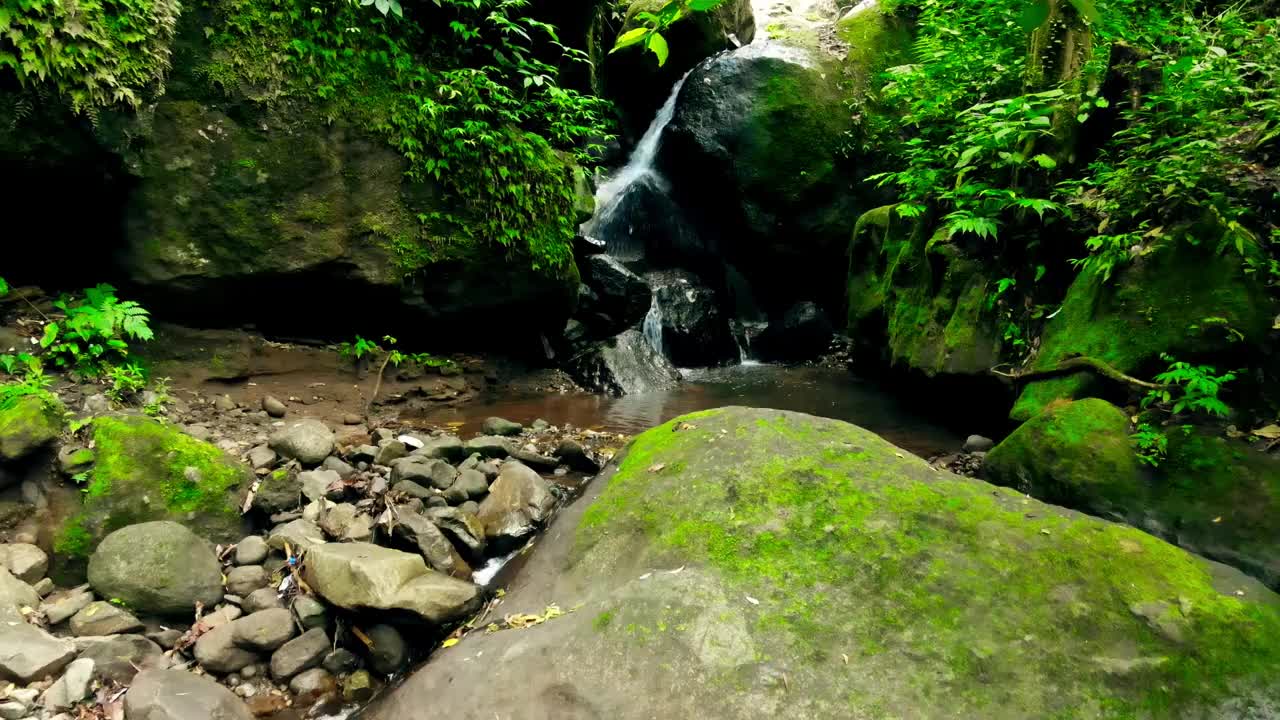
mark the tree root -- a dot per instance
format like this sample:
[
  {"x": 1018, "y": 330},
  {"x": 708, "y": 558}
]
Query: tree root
[{"x": 1077, "y": 364}]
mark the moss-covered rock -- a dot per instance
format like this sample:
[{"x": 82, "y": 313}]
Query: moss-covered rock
[
  {"x": 919, "y": 298},
  {"x": 1157, "y": 304},
  {"x": 743, "y": 563},
  {"x": 144, "y": 471},
  {"x": 29, "y": 422},
  {"x": 1211, "y": 495}
]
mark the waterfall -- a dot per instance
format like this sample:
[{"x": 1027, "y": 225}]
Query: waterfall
[
  {"x": 652, "y": 327},
  {"x": 610, "y": 222}
]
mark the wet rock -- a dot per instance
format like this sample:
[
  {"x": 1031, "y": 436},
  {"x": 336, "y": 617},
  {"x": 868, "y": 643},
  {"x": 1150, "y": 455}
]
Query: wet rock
[
  {"x": 624, "y": 365},
  {"x": 444, "y": 447},
  {"x": 344, "y": 522},
  {"x": 217, "y": 651},
  {"x": 274, "y": 407},
  {"x": 804, "y": 332},
  {"x": 103, "y": 618},
  {"x": 246, "y": 578},
  {"x": 264, "y": 631},
  {"x": 390, "y": 653},
  {"x": 978, "y": 443},
  {"x": 313, "y": 685},
  {"x": 366, "y": 576},
  {"x": 501, "y": 426},
  {"x": 120, "y": 658},
  {"x": 252, "y": 550},
  {"x": 72, "y": 687},
  {"x": 358, "y": 687},
  {"x": 310, "y": 612},
  {"x": 471, "y": 484},
  {"x": 341, "y": 662},
  {"x": 262, "y": 599},
  {"x": 180, "y": 695},
  {"x": 464, "y": 529},
  {"x": 694, "y": 330},
  {"x": 572, "y": 453},
  {"x": 430, "y": 542},
  {"x": 298, "y": 534},
  {"x": 489, "y": 446},
  {"x": 618, "y": 298},
  {"x": 156, "y": 567},
  {"x": 301, "y": 653},
  {"x": 63, "y": 605},
  {"x": 432, "y": 473},
  {"x": 519, "y": 502},
  {"x": 27, "y": 562},
  {"x": 261, "y": 456},
  {"x": 307, "y": 441},
  {"x": 28, "y": 653}
]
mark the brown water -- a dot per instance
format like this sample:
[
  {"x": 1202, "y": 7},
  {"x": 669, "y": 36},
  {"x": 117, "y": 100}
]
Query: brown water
[{"x": 827, "y": 392}]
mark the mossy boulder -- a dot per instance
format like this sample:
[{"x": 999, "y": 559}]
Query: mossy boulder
[
  {"x": 144, "y": 471},
  {"x": 28, "y": 423},
  {"x": 1178, "y": 299},
  {"x": 746, "y": 563},
  {"x": 1211, "y": 495},
  {"x": 918, "y": 299},
  {"x": 157, "y": 567}
]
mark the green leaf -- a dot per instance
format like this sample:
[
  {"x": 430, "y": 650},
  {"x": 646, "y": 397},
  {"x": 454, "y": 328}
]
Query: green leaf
[
  {"x": 1045, "y": 161},
  {"x": 1082, "y": 117},
  {"x": 1039, "y": 272},
  {"x": 703, "y": 5},
  {"x": 658, "y": 46},
  {"x": 967, "y": 156},
  {"x": 1033, "y": 14},
  {"x": 50, "y": 334},
  {"x": 631, "y": 37},
  {"x": 1087, "y": 10}
]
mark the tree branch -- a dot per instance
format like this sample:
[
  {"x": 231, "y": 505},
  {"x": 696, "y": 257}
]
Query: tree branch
[{"x": 1077, "y": 364}]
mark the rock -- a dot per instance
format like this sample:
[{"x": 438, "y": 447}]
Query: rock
[
  {"x": 261, "y": 456},
  {"x": 802, "y": 333},
  {"x": 623, "y": 365},
  {"x": 352, "y": 419},
  {"x": 470, "y": 484},
  {"x": 310, "y": 612},
  {"x": 74, "y": 460},
  {"x": 519, "y": 502},
  {"x": 27, "y": 562},
  {"x": 245, "y": 579},
  {"x": 316, "y": 484},
  {"x": 279, "y": 491},
  {"x": 464, "y": 529},
  {"x": 444, "y": 447},
  {"x": 221, "y": 616},
  {"x": 307, "y": 441},
  {"x": 346, "y": 523},
  {"x": 423, "y": 536},
  {"x": 262, "y": 599},
  {"x": 103, "y": 618},
  {"x": 156, "y": 567},
  {"x": 166, "y": 638},
  {"x": 413, "y": 490},
  {"x": 390, "y": 451},
  {"x": 357, "y": 687},
  {"x": 224, "y": 403},
  {"x": 434, "y": 473},
  {"x": 96, "y": 405},
  {"x": 274, "y": 407},
  {"x": 63, "y": 605},
  {"x": 313, "y": 685},
  {"x": 365, "y": 576},
  {"x": 341, "y": 662},
  {"x": 298, "y": 534},
  {"x": 251, "y": 550},
  {"x": 978, "y": 443},
  {"x": 43, "y": 587},
  {"x": 301, "y": 653},
  {"x": 571, "y": 453},
  {"x": 71, "y": 688},
  {"x": 786, "y": 511},
  {"x": 694, "y": 329},
  {"x": 28, "y": 653},
  {"x": 149, "y": 471},
  {"x": 390, "y": 653},
  {"x": 1080, "y": 454},
  {"x": 470, "y": 507},
  {"x": 28, "y": 424},
  {"x": 180, "y": 695},
  {"x": 364, "y": 454},
  {"x": 619, "y": 299},
  {"x": 12, "y": 710},
  {"x": 217, "y": 651},
  {"x": 119, "y": 659},
  {"x": 489, "y": 446},
  {"x": 333, "y": 463},
  {"x": 535, "y": 460},
  {"x": 501, "y": 426},
  {"x": 264, "y": 631}
]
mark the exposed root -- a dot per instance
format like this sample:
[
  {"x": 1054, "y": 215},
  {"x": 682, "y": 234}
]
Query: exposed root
[{"x": 1074, "y": 365}]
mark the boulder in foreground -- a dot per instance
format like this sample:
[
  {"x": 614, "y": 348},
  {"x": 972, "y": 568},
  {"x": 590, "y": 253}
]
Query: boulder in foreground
[{"x": 765, "y": 564}]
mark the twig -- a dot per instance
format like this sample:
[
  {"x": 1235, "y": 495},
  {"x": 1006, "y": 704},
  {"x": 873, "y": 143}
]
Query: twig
[
  {"x": 377, "y": 385},
  {"x": 1074, "y": 365}
]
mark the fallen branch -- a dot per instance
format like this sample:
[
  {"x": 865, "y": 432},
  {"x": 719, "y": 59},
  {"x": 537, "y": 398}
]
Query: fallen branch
[{"x": 1074, "y": 365}]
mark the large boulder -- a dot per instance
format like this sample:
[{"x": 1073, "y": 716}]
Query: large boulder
[
  {"x": 14, "y": 596},
  {"x": 693, "y": 330},
  {"x": 180, "y": 695},
  {"x": 624, "y": 365},
  {"x": 744, "y": 563},
  {"x": 28, "y": 423},
  {"x": 28, "y": 653},
  {"x": 144, "y": 471},
  {"x": 307, "y": 441},
  {"x": 803, "y": 332},
  {"x": 1156, "y": 305},
  {"x": 1210, "y": 495},
  {"x": 519, "y": 502},
  {"x": 156, "y": 567},
  {"x": 619, "y": 298},
  {"x": 364, "y": 576}
]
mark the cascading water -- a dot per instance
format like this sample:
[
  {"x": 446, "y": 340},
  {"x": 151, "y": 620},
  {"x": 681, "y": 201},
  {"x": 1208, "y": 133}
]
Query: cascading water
[
  {"x": 652, "y": 326},
  {"x": 616, "y": 198}
]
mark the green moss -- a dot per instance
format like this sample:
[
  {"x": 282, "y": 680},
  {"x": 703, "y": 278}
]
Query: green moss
[
  {"x": 28, "y": 420},
  {"x": 968, "y": 594},
  {"x": 73, "y": 539},
  {"x": 602, "y": 621},
  {"x": 877, "y": 40}
]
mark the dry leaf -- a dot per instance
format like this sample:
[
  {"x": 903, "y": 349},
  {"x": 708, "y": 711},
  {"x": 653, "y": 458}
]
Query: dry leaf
[
  {"x": 1270, "y": 432},
  {"x": 449, "y": 643},
  {"x": 751, "y": 600},
  {"x": 657, "y": 468}
]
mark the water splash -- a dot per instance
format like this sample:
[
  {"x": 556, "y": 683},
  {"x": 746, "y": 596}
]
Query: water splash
[{"x": 652, "y": 327}]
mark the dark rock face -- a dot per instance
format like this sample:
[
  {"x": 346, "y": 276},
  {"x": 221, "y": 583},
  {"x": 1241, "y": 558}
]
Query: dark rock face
[
  {"x": 802, "y": 333},
  {"x": 623, "y": 365},
  {"x": 619, "y": 298},
  {"x": 752, "y": 149},
  {"x": 693, "y": 329}
]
